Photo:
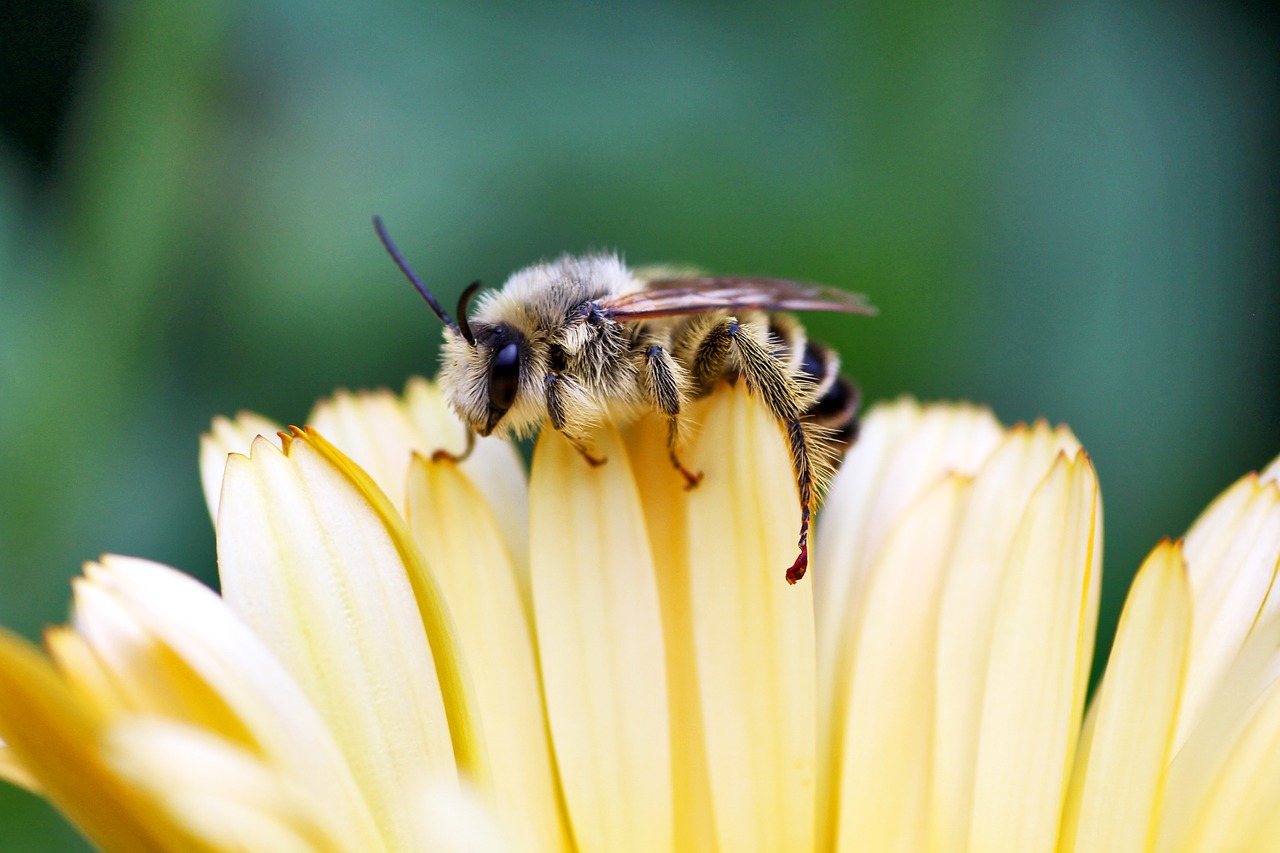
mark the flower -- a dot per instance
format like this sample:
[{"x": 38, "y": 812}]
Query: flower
[
  {"x": 1181, "y": 748},
  {"x": 410, "y": 653}
]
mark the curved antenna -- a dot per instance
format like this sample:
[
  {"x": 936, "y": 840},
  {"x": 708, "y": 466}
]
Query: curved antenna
[
  {"x": 462, "y": 311},
  {"x": 413, "y": 277}
]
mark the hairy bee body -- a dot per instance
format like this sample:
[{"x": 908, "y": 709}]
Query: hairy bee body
[
  {"x": 571, "y": 343},
  {"x": 552, "y": 312}
]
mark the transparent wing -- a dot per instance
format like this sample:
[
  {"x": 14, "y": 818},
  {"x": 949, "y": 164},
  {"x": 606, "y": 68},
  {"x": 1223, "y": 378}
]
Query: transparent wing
[{"x": 666, "y": 297}]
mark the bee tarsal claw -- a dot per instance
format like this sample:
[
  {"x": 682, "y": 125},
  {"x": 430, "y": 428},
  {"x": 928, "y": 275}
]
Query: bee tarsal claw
[
  {"x": 800, "y": 566},
  {"x": 691, "y": 480},
  {"x": 442, "y": 455}
]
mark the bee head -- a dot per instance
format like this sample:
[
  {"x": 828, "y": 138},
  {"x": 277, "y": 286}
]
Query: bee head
[
  {"x": 482, "y": 381},
  {"x": 501, "y": 351},
  {"x": 482, "y": 368}
]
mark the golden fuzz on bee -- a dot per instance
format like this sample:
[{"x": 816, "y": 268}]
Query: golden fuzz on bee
[{"x": 571, "y": 343}]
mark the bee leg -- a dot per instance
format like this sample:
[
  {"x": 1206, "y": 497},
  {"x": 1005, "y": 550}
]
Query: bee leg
[
  {"x": 443, "y": 455},
  {"x": 663, "y": 384},
  {"x": 691, "y": 479},
  {"x": 766, "y": 376},
  {"x": 557, "y": 391},
  {"x": 585, "y": 450},
  {"x": 704, "y": 348},
  {"x": 804, "y": 481}
]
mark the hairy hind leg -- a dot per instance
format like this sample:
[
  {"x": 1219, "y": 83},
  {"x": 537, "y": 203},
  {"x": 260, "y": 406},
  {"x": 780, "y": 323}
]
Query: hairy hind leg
[{"x": 766, "y": 376}]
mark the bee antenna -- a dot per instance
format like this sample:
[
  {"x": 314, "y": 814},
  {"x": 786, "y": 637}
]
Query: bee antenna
[
  {"x": 462, "y": 311},
  {"x": 417, "y": 282}
]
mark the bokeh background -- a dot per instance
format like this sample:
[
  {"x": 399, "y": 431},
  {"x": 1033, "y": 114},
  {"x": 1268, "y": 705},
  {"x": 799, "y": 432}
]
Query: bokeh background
[{"x": 1062, "y": 209}]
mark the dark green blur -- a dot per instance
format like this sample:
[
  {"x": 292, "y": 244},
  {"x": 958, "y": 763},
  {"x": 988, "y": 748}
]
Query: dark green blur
[{"x": 1062, "y": 210}]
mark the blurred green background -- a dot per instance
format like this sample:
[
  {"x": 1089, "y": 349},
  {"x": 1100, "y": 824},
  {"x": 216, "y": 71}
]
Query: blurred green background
[{"x": 1062, "y": 209}]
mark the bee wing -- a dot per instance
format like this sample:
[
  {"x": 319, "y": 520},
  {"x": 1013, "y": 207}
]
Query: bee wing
[{"x": 665, "y": 297}]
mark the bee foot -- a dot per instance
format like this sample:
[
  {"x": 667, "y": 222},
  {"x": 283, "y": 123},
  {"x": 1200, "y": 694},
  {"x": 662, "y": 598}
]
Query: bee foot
[
  {"x": 691, "y": 480},
  {"x": 800, "y": 566},
  {"x": 594, "y": 461},
  {"x": 442, "y": 455}
]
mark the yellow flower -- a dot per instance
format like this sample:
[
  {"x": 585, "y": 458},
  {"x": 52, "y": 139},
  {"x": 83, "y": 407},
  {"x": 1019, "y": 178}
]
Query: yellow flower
[{"x": 410, "y": 654}]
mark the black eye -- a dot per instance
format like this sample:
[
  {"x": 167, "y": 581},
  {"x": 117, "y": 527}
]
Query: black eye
[{"x": 504, "y": 377}]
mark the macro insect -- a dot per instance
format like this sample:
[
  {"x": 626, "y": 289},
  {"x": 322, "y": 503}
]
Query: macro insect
[{"x": 575, "y": 341}]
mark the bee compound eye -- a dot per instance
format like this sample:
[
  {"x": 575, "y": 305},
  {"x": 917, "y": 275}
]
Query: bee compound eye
[{"x": 504, "y": 377}]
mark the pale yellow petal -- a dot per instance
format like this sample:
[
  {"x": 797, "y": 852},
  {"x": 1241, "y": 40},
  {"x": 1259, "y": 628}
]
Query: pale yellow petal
[
  {"x": 1122, "y": 766},
  {"x": 1240, "y": 799},
  {"x": 457, "y": 819},
  {"x": 13, "y": 771},
  {"x": 380, "y": 431},
  {"x": 143, "y": 675},
  {"x": 315, "y": 564},
  {"x": 1228, "y": 524},
  {"x": 753, "y": 632},
  {"x": 1271, "y": 474},
  {"x": 55, "y": 737},
  {"x": 219, "y": 792},
  {"x": 885, "y": 694},
  {"x": 1208, "y": 748},
  {"x": 971, "y": 589},
  {"x": 1079, "y": 773},
  {"x": 173, "y": 648},
  {"x": 463, "y": 547},
  {"x": 494, "y": 466},
  {"x": 85, "y": 672},
  {"x": 373, "y": 430},
  {"x": 665, "y": 499},
  {"x": 455, "y": 683},
  {"x": 228, "y": 436},
  {"x": 903, "y": 450},
  {"x": 601, "y": 648},
  {"x": 1041, "y": 646},
  {"x": 1259, "y": 829},
  {"x": 1232, "y": 551}
]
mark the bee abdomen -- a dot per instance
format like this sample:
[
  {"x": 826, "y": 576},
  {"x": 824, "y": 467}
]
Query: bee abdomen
[{"x": 836, "y": 398}]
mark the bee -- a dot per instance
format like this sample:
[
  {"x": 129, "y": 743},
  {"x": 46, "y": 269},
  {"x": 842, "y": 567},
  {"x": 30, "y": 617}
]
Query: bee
[{"x": 575, "y": 341}]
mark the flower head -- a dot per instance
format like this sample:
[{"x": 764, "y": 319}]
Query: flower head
[{"x": 410, "y": 653}]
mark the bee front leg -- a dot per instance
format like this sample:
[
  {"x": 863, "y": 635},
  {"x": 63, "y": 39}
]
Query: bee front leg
[
  {"x": 664, "y": 383},
  {"x": 559, "y": 389},
  {"x": 442, "y": 455}
]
